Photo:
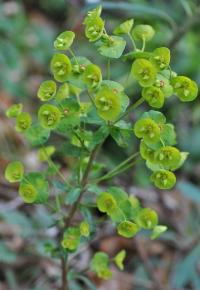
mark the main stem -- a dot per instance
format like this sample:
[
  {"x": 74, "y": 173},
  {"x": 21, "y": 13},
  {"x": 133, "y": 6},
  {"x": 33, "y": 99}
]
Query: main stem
[
  {"x": 83, "y": 184},
  {"x": 64, "y": 274}
]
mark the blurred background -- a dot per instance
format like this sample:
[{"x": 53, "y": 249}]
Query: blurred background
[{"x": 27, "y": 32}]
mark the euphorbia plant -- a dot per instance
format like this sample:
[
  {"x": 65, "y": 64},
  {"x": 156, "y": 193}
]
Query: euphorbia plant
[{"x": 85, "y": 107}]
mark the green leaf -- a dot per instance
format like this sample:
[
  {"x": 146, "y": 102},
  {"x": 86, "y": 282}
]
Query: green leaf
[
  {"x": 37, "y": 135},
  {"x": 6, "y": 255},
  {"x": 112, "y": 47},
  {"x": 121, "y": 136},
  {"x": 185, "y": 269},
  {"x": 189, "y": 190},
  {"x": 168, "y": 134},
  {"x": 87, "y": 282},
  {"x": 73, "y": 195}
]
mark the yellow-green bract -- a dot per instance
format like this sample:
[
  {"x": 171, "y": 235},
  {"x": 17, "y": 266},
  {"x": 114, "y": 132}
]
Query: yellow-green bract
[
  {"x": 144, "y": 72},
  {"x": 143, "y": 32},
  {"x": 49, "y": 116},
  {"x": 14, "y": 171},
  {"x": 163, "y": 179},
  {"x": 60, "y": 67},
  {"x": 64, "y": 40},
  {"x": 47, "y": 90},
  {"x": 108, "y": 104},
  {"x": 23, "y": 122}
]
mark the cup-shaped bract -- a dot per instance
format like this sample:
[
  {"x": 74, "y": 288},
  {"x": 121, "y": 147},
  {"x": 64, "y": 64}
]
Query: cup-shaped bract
[
  {"x": 124, "y": 28},
  {"x": 92, "y": 76},
  {"x": 49, "y": 116},
  {"x": 62, "y": 92},
  {"x": 147, "y": 218},
  {"x": 47, "y": 90},
  {"x": 169, "y": 157},
  {"x": 106, "y": 203},
  {"x": 84, "y": 228},
  {"x": 127, "y": 229},
  {"x": 14, "y": 171},
  {"x": 94, "y": 28},
  {"x": 144, "y": 72},
  {"x": 23, "y": 122},
  {"x": 148, "y": 130},
  {"x": 185, "y": 88},
  {"x": 154, "y": 96},
  {"x": 161, "y": 58},
  {"x": 146, "y": 152},
  {"x": 34, "y": 188},
  {"x": 60, "y": 67},
  {"x": 64, "y": 40},
  {"x": 119, "y": 259},
  {"x": 108, "y": 104},
  {"x": 163, "y": 179},
  {"x": 143, "y": 32},
  {"x": 14, "y": 110},
  {"x": 71, "y": 238}
]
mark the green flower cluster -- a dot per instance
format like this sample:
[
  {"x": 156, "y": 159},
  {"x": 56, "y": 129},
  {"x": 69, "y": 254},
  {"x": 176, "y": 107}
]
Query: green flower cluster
[
  {"x": 33, "y": 187},
  {"x": 23, "y": 119},
  {"x": 153, "y": 73},
  {"x": 127, "y": 213},
  {"x": 84, "y": 106},
  {"x": 100, "y": 263},
  {"x": 74, "y": 235},
  {"x": 157, "y": 148}
]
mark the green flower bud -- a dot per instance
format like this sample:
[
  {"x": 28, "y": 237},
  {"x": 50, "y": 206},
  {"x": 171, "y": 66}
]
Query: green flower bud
[
  {"x": 14, "y": 171},
  {"x": 148, "y": 130},
  {"x": 84, "y": 109},
  {"x": 60, "y": 67},
  {"x": 185, "y": 88},
  {"x": 144, "y": 72},
  {"x": 106, "y": 203},
  {"x": 127, "y": 229},
  {"x": 157, "y": 231},
  {"x": 94, "y": 28},
  {"x": 64, "y": 40},
  {"x": 34, "y": 188},
  {"x": 49, "y": 116},
  {"x": 23, "y": 122},
  {"x": 92, "y": 76},
  {"x": 147, "y": 218},
  {"x": 45, "y": 153},
  {"x": 154, "y": 96},
  {"x": 169, "y": 157},
  {"x": 85, "y": 228},
  {"x": 14, "y": 110},
  {"x": 108, "y": 104},
  {"x": 119, "y": 259},
  {"x": 163, "y": 179},
  {"x": 71, "y": 239},
  {"x": 62, "y": 93},
  {"x": 99, "y": 264},
  {"x": 124, "y": 28},
  {"x": 143, "y": 31},
  {"x": 161, "y": 58},
  {"x": 47, "y": 90},
  {"x": 146, "y": 152}
]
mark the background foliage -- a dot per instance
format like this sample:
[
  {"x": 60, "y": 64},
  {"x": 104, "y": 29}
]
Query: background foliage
[{"x": 27, "y": 31}]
